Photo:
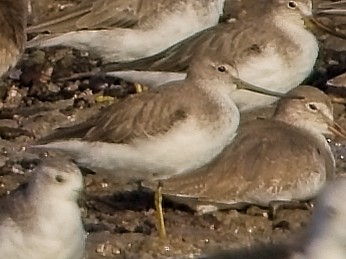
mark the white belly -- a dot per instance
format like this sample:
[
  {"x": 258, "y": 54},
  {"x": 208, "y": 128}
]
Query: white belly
[
  {"x": 185, "y": 148},
  {"x": 47, "y": 239}
]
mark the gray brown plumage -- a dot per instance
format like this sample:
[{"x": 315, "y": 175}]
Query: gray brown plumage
[
  {"x": 267, "y": 45},
  {"x": 285, "y": 158},
  {"x": 235, "y": 39},
  {"x": 106, "y": 14},
  {"x": 271, "y": 48},
  {"x": 144, "y": 134},
  {"x": 91, "y": 15},
  {"x": 141, "y": 116},
  {"x": 13, "y": 18},
  {"x": 122, "y": 30}
]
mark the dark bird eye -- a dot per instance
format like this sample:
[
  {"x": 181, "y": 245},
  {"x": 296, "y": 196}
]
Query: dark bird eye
[
  {"x": 292, "y": 4},
  {"x": 221, "y": 69},
  {"x": 312, "y": 107},
  {"x": 59, "y": 178}
]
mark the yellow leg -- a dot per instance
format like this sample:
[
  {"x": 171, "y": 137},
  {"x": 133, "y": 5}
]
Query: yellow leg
[
  {"x": 140, "y": 88},
  {"x": 159, "y": 212}
]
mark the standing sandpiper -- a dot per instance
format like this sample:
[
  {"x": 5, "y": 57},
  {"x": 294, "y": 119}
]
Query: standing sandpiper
[
  {"x": 158, "y": 134},
  {"x": 42, "y": 220},
  {"x": 271, "y": 48},
  {"x": 286, "y": 158},
  {"x": 155, "y": 26}
]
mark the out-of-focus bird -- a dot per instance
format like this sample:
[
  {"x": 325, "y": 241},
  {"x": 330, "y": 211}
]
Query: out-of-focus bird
[{"x": 41, "y": 220}]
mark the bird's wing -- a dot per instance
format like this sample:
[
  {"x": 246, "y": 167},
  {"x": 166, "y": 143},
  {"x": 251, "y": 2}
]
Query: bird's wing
[
  {"x": 222, "y": 38},
  {"x": 137, "y": 117},
  {"x": 91, "y": 14},
  {"x": 264, "y": 163}
]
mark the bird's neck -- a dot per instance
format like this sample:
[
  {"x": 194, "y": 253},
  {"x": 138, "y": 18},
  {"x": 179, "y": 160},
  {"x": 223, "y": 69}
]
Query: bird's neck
[
  {"x": 56, "y": 212},
  {"x": 293, "y": 28},
  {"x": 288, "y": 23},
  {"x": 218, "y": 92},
  {"x": 293, "y": 118}
]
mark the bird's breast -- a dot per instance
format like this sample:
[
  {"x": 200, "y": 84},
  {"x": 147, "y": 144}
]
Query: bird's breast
[{"x": 278, "y": 68}]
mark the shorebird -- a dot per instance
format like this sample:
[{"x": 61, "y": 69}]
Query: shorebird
[
  {"x": 271, "y": 48},
  {"x": 41, "y": 220},
  {"x": 155, "y": 25},
  {"x": 160, "y": 133},
  {"x": 269, "y": 162},
  {"x": 13, "y": 15},
  {"x": 325, "y": 238}
]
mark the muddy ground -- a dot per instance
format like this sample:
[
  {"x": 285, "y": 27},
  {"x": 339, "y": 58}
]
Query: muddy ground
[{"x": 120, "y": 219}]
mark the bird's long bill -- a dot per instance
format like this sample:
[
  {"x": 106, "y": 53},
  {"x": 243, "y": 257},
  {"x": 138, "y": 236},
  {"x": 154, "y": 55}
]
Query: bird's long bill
[
  {"x": 337, "y": 130},
  {"x": 247, "y": 86}
]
